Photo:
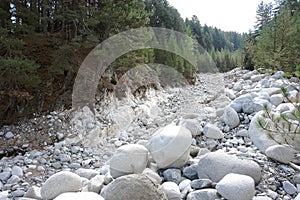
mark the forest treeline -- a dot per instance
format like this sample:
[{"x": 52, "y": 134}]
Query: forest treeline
[
  {"x": 274, "y": 44},
  {"x": 44, "y": 42}
]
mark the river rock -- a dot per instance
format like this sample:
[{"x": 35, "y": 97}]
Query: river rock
[
  {"x": 5, "y": 175},
  {"x": 282, "y": 153},
  {"x": 231, "y": 117},
  {"x": 257, "y": 104},
  {"x": 258, "y": 135},
  {"x": 33, "y": 192},
  {"x": 190, "y": 172},
  {"x": 170, "y": 146},
  {"x": 192, "y": 125},
  {"x": 134, "y": 186},
  {"x": 16, "y": 170},
  {"x": 96, "y": 184},
  {"x": 205, "y": 194},
  {"x": 172, "y": 191},
  {"x": 237, "y": 104},
  {"x": 173, "y": 175},
  {"x": 201, "y": 183},
  {"x": 129, "y": 159},
  {"x": 60, "y": 183},
  {"x": 278, "y": 75},
  {"x": 79, "y": 196},
  {"x": 212, "y": 131},
  {"x": 236, "y": 187},
  {"x": 216, "y": 165},
  {"x": 289, "y": 187},
  {"x": 276, "y": 99},
  {"x": 86, "y": 173}
]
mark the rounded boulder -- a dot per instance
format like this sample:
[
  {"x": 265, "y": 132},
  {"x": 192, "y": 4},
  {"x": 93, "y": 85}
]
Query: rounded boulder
[
  {"x": 134, "y": 186},
  {"x": 129, "y": 159},
  {"x": 60, "y": 183},
  {"x": 170, "y": 146}
]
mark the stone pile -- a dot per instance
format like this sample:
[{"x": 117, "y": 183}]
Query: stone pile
[{"x": 213, "y": 150}]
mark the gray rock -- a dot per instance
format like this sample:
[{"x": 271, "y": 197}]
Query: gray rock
[
  {"x": 184, "y": 184},
  {"x": 192, "y": 125},
  {"x": 204, "y": 194},
  {"x": 259, "y": 136},
  {"x": 172, "y": 191},
  {"x": 285, "y": 107},
  {"x": 108, "y": 179},
  {"x": 294, "y": 96},
  {"x": 129, "y": 159},
  {"x": 296, "y": 178},
  {"x": 56, "y": 165},
  {"x": 297, "y": 197},
  {"x": 230, "y": 93},
  {"x": 242, "y": 133},
  {"x": 276, "y": 99},
  {"x": 5, "y": 175},
  {"x": 172, "y": 175},
  {"x": 201, "y": 184},
  {"x": 86, "y": 173},
  {"x": 75, "y": 149},
  {"x": 16, "y": 170},
  {"x": 255, "y": 105},
  {"x": 265, "y": 83},
  {"x": 13, "y": 179},
  {"x": 1, "y": 185},
  {"x": 9, "y": 135},
  {"x": 190, "y": 172},
  {"x": 60, "y": 183},
  {"x": 139, "y": 185},
  {"x": 170, "y": 146},
  {"x": 238, "y": 102},
  {"x": 18, "y": 193},
  {"x": 64, "y": 157},
  {"x": 282, "y": 153},
  {"x": 33, "y": 192},
  {"x": 152, "y": 175},
  {"x": 212, "y": 131},
  {"x": 278, "y": 75},
  {"x": 79, "y": 196},
  {"x": 236, "y": 187},
  {"x": 231, "y": 117},
  {"x": 272, "y": 90},
  {"x": 289, "y": 187},
  {"x": 96, "y": 184},
  {"x": 216, "y": 165}
]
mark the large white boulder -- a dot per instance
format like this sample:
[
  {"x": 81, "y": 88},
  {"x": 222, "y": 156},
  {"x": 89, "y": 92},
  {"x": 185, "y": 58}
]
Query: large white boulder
[
  {"x": 268, "y": 136},
  {"x": 170, "y": 146},
  {"x": 129, "y": 159},
  {"x": 258, "y": 135}
]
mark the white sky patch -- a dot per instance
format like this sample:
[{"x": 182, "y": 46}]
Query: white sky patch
[{"x": 228, "y": 15}]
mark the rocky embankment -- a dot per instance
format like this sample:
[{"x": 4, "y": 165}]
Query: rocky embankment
[{"x": 195, "y": 142}]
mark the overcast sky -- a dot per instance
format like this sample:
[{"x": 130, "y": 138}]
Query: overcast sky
[{"x": 228, "y": 15}]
